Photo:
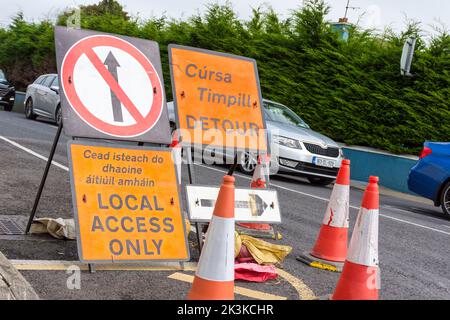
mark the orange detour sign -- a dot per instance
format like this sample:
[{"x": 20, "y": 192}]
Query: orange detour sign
[
  {"x": 127, "y": 204},
  {"x": 218, "y": 99}
]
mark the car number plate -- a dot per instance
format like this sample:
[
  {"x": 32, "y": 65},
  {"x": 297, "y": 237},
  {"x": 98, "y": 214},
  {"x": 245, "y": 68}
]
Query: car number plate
[{"x": 324, "y": 162}]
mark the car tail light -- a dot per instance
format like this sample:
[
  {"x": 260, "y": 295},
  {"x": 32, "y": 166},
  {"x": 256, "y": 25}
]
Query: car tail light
[{"x": 425, "y": 152}]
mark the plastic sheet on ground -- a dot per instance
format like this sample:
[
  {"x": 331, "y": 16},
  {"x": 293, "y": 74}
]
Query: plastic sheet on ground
[
  {"x": 254, "y": 272},
  {"x": 261, "y": 251},
  {"x": 58, "y": 228}
]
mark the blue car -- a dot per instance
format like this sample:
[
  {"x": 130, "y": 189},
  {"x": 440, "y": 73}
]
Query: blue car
[{"x": 430, "y": 177}]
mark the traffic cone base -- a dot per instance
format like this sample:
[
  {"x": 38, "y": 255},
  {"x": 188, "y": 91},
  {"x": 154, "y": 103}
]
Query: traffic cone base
[
  {"x": 258, "y": 232},
  {"x": 201, "y": 290},
  {"x": 257, "y": 226},
  {"x": 357, "y": 282},
  {"x": 318, "y": 263},
  {"x": 331, "y": 244}
]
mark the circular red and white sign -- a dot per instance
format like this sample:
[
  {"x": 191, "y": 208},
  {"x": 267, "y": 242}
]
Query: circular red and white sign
[{"x": 112, "y": 86}]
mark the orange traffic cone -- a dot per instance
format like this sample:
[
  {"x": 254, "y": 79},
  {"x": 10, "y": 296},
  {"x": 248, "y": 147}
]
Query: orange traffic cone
[
  {"x": 360, "y": 276},
  {"x": 330, "y": 249},
  {"x": 214, "y": 278},
  {"x": 259, "y": 230}
]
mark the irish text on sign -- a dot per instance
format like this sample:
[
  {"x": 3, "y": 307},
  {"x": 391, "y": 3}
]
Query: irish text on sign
[
  {"x": 127, "y": 204},
  {"x": 218, "y": 99}
]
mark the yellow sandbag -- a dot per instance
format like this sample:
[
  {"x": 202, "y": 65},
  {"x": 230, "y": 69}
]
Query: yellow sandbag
[
  {"x": 237, "y": 244},
  {"x": 262, "y": 251}
]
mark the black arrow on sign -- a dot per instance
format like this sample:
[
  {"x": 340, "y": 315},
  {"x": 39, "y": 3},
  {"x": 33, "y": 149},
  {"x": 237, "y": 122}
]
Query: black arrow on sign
[
  {"x": 255, "y": 203},
  {"x": 112, "y": 64}
]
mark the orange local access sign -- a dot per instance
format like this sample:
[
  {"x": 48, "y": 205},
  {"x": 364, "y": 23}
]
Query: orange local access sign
[
  {"x": 127, "y": 204},
  {"x": 218, "y": 99}
]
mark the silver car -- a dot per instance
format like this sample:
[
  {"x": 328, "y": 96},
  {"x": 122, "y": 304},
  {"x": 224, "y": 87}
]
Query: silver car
[
  {"x": 295, "y": 148},
  {"x": 42, "y": 98}
]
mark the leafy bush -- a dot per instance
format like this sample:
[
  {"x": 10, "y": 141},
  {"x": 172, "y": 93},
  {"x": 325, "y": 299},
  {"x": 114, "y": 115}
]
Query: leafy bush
[{"x": 351, "y": 91}]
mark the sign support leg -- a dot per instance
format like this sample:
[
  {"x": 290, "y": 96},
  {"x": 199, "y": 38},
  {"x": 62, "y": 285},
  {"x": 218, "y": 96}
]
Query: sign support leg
[
  {"x": 91, "y": 268},
  {"x": 191, "y": 175},
  {"x": 44, "y": 178}
]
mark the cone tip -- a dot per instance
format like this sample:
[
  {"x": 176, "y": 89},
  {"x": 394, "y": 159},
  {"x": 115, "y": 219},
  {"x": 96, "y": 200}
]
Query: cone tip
[
  {"x": 346, "y": 162},
  {"x": 228, "y": 179},
  {"x": 373, "y": 179}
]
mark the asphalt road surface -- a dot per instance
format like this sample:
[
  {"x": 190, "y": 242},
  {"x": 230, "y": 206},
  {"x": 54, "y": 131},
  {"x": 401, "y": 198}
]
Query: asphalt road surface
[{"x": 414, "y": 236}]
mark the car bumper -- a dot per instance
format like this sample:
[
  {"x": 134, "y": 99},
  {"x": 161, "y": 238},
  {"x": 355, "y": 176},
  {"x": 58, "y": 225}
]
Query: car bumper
[
  {"x": 301, "y": 162},
  {"x": 7, "y": 99}
]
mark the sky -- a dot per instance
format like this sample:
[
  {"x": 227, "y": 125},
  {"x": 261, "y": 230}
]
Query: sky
[{"x": 368, "y": 13}]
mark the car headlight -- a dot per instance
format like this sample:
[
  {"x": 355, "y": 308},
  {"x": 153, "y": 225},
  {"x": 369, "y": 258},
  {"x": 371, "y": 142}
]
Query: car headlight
[{"x": 287, "y": 142}]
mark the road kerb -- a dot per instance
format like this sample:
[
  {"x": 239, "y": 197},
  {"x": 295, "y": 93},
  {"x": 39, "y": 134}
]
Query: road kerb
[{"x": 13, "y": 285}]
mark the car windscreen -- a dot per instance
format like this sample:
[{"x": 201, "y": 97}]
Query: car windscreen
[
  {"x": 279, "y": 113},
  {"x": 2, "y": 75}
]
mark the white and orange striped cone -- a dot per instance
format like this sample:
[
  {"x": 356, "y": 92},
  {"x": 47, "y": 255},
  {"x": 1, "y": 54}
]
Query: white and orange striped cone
[
  {"x": 360, "y": 279},
  {"x": 214, "y": 278},
  {"x": 176, "y": 152},
  {"x": 258, "y": 230},
  {"x": 330, "y": 249}
]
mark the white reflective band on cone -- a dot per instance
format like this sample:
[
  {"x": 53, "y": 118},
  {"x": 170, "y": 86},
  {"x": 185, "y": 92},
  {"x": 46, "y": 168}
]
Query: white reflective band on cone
[
  {"x": 363, "y": 247},
  {"x": 259, "y": 173},
  {"x": 217, "y": 258},
  {"x": 338, "y": 211}
]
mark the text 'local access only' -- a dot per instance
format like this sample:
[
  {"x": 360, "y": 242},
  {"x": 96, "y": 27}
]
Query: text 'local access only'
[{"x": 127, "y": 204}]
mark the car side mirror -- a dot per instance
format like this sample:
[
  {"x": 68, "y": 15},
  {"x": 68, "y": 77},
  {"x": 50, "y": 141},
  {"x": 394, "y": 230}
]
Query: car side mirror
[{"x": 55, "y": 89}]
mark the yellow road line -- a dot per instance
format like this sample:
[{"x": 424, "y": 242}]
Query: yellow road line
[
  {"x": 54, "y": 265},
  {"x": 304, "y": 292},
  {"x": 239, "y": 290}
]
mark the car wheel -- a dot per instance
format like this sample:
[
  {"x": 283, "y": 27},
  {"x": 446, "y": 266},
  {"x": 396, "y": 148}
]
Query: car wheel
[
  {"x": 248, "y": 163},
  {"x": 58, "y": 116},
  {"x": 29, "y": 114},
  {"x": 445, "y": 199},
  {"x": 320, "y": 181}
]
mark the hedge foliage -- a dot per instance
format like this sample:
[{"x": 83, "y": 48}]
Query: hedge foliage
[{"x": 351, "y": 91}]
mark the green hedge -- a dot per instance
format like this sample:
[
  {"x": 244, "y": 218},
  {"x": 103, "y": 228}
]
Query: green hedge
[{"x": 351, "y": 91}]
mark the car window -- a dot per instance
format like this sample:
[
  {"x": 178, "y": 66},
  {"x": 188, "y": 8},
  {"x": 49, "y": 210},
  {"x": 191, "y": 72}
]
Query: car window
[
  {"x": 47, "y": 82},
  {"x": 55, "y": 82},
  {"x": 39, "y": 80},
  {"x": 280, "y": 113},
  {"x": 2, "y": 75}
]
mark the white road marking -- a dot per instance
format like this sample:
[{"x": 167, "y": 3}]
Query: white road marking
[
  {"x": 59, "y": 165},
  {"x": 326, "y": 200},
  {"x": 238, "y": 175}
]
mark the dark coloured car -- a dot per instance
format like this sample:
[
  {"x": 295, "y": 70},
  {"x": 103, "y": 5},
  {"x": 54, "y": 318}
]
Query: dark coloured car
[
  {"x": 430, "y": 177},
  {"x": 7, "y": 92}
]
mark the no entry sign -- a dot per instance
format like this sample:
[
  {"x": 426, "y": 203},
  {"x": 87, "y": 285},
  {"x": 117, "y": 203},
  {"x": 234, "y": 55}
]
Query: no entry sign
[
  {"x": 111, "y": 87},
  {"x": 127, "y": 204},
  {"x": 218, "y": 99}
]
